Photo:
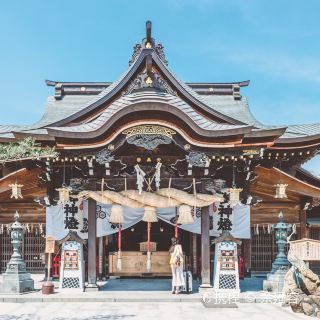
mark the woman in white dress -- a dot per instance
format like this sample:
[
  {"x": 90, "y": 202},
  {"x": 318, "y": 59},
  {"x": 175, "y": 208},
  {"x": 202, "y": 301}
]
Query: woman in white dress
[{"x": 176, "y": 263}]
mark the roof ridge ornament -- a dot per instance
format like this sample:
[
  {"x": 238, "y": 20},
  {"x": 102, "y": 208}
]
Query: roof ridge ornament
[
  {"x": 149, "y": 80},
  {"x": 148, "y": 43}
]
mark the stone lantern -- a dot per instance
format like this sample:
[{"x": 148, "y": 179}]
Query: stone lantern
[
  {"x": 16, "y": 279},
  {"x": 275, "y": 279},
  {"x": 281, "y": 233}
]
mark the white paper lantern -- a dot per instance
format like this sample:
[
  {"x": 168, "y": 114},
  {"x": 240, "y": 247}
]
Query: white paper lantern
[
  {"x": 16, "y": 190},
  {"x": 281, "y": 191},
  {"x": 234, "y": 196},
  {"x": 64, "y": 194}
]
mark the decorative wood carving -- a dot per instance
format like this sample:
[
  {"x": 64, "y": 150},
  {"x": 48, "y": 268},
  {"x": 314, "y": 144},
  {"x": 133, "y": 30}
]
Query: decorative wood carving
[
  {"x": 104, "y": 156},
  {"x": 153, "y": 80},
  {"x": 198, "y": 159},
  {"x": 149, "y": 136}
]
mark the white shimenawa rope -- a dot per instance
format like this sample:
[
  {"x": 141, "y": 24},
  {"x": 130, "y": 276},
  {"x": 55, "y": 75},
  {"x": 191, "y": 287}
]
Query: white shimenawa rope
[
  {"x": 157, "y": 175},
  {"x": 195, "y": 195},
  {"x": 294, "y": 228}
]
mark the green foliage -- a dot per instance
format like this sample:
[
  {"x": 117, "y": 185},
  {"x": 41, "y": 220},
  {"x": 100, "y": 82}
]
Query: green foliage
[{"x": 25, "y": 149}]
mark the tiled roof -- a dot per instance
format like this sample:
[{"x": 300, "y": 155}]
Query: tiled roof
[
  {"x": 150, "y": 97},
  {"x": 302, "y": 130}
]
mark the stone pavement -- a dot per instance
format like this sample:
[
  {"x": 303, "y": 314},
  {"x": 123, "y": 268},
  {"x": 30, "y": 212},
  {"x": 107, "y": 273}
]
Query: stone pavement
[
  {"x": 141, "y": 311},
  {"x": 137, "y": 290}
]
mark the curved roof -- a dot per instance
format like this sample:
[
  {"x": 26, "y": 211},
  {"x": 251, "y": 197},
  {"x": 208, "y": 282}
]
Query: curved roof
[
  {"x": 213, "y": 109},
  {"x": 156, "y": 101}
]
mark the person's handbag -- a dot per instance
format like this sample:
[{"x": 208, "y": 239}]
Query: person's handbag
[{"x": 177, "y": 261}]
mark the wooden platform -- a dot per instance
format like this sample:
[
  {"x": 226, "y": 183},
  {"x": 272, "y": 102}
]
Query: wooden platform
[{"x": 134, "y": 263}]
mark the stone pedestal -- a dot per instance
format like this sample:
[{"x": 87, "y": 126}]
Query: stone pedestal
[
  {"x": 16, "y": 283},
  {"x": 275, "y": 281}
]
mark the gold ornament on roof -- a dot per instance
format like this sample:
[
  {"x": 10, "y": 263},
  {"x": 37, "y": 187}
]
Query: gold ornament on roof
[
  {"x": 148, "y": 129},
  {"x": 148, "y": 45},
  {"x": 149, "y": 81},
  {"x": 16, "y": 190},
  {"x": 251, "y": 152}
]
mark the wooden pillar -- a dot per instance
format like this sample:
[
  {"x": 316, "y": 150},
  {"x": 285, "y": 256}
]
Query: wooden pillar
[
  {"x": 246, "y": 245},
  {"x": 194, "y": 254},
  {"x": 205, "y": 248},
  {"x": 303, "y": 224},
  {"x": 101, "y": 258},
  {"x": 92, "y": 249}
]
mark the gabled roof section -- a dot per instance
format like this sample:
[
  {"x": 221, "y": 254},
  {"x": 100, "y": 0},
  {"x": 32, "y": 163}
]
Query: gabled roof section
[
  {"x": 147, "y": 58},
  {"x": 83, "y": 106}
]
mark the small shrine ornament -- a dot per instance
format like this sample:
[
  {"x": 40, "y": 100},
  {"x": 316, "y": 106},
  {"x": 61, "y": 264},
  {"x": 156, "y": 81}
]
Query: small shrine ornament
[
  {"x": 16, "y": 190},
  {"x": 281, "y": 191},
  {"x": 64, "y": 194},
  {"x": 234, "y": 195}
]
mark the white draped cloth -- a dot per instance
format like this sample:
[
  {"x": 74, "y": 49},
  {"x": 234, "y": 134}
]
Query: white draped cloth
[{"x": 55, "y": 220}]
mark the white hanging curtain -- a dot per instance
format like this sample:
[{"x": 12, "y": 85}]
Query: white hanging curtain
[{"x": 55, "y": 221}]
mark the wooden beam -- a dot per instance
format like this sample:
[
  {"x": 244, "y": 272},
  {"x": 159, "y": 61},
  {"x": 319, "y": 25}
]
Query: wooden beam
[{"x": 246, "y": 243}]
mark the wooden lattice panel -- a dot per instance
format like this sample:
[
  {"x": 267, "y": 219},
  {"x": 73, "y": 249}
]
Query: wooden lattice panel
[
  {"x": 5, "y": 250},
  {"x": 32, "y": 251}
]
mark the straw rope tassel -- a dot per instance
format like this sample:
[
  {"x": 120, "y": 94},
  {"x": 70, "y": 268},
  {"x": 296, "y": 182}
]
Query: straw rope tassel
[
  {"x": 176, "y": 227},
  {"x": 149, "y": 253},
  {"x": 195, "y": 195},
  {"x": 119, "y": 261}
]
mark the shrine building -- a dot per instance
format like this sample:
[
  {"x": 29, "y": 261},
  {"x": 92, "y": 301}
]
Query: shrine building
[{"x": 190, "y": 155}]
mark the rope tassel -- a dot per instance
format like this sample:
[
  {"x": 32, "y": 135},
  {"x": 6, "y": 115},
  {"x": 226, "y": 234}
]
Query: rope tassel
[
  {"x": 119, "y": 261},
  {"x": 149, "y": 252},
  {"x": 150, "y": 215},
  {"x": 185, "y": 215}
]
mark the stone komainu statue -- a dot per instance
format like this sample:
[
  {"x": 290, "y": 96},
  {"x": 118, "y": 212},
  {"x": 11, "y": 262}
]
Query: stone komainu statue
[{"x": 302, "y": 287}]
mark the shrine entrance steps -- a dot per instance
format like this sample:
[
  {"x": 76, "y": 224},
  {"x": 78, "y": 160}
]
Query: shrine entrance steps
[
  {"x": 131, "y": 290},
  {"x": 145, "y": 284}
]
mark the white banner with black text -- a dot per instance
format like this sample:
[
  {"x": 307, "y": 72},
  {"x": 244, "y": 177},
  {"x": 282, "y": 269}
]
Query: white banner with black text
[{"x": 74, "y": 216}]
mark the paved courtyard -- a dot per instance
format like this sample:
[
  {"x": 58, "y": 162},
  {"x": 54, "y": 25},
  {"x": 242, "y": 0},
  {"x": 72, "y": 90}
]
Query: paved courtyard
[{"x": 140, "y": 310}]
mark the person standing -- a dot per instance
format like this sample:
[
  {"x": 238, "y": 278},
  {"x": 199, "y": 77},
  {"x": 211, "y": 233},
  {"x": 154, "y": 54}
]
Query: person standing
[{"x": 176, "y": 263}]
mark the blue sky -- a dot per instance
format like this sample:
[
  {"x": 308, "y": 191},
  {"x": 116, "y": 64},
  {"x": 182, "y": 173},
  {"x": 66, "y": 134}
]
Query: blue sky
[{"x": 275, "y": 44}]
